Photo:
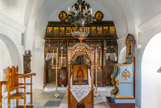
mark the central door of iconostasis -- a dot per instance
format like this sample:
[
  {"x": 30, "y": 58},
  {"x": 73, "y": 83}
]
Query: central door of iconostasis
[{"x": 58, "y": 35}]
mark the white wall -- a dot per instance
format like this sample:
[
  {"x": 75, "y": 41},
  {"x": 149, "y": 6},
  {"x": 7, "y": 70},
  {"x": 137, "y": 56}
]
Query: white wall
[
  {"x": 10, "y": 7},
  {"x": 5, "y": 60},
  {"x": 11, "y": 49},
  {"x": 37, "y": 65},
  {"x": 122, "y": 55},
  {"x": 151, "y": 79}
]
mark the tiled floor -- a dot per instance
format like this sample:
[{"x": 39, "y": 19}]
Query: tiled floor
[{"x": 40, "y": 98}]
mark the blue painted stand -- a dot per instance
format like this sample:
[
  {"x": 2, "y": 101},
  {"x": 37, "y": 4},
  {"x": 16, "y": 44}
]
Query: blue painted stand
[{"x": 123, "y": 79}]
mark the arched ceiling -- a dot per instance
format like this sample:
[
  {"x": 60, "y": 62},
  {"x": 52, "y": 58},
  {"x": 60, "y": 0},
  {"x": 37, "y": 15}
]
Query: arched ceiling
[
  {"x": 35, "y": 14},
  {"x": 124, "y": 13}
]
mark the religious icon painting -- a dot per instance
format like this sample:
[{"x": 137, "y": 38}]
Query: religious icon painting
[
  {"x": 87, "y": 28},
  {"x": 62, "y": 15},
  {"x": 112, "y": 29},
  {"x": 49, "y": 30},
  {"x": 99, "y": 29},
  {"x": 68, "y": 30},
  {"x": 56, "y": 30},
  {"x": 73, "y": 28},
  {"x": 62, "y": 31},
  {"x": 105, "y": 29},
  {"x": 99, "y": 16},
  {"x": 80, "y": 74},
  {"x": 93, "y": 30}
]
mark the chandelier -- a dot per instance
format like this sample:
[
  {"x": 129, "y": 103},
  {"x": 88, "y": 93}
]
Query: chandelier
[{"x": 79, "y": 16}]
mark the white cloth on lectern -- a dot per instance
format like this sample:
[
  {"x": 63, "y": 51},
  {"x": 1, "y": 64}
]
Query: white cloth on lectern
[
  {"x": 49, "y": 56},
  {"x": 80, "y": 91}
]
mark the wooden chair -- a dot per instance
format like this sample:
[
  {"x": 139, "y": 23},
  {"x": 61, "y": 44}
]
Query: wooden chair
[
  {"x": 14, "y": 85},
  {"x": 1, "y": 84}
]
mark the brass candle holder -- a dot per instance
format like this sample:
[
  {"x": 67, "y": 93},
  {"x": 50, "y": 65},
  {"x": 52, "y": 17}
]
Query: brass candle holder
[
  {"x": 56, "y": 94},
  {"x": 96, "y": 94}
]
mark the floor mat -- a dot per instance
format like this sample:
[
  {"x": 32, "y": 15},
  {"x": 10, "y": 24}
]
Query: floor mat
[
  {"x": 55, "y": 101},
  {"x": 52, "y": 103}
]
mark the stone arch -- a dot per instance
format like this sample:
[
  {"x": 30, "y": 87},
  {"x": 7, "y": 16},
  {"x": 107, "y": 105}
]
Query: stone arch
[
  {"x": 150, "y": 78},
  {"x": 13, "y": 50}
]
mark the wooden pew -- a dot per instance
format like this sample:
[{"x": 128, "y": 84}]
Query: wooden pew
[{"x": 13, "y": 84}]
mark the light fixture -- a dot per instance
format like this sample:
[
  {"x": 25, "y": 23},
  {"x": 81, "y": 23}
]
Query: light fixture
[{"x": 80, "y": 15}]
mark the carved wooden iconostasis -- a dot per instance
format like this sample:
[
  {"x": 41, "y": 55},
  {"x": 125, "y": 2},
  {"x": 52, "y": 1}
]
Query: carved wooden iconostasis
[
  {"x": 80, "y": 76},
  {"x": 102, "y": 35}
]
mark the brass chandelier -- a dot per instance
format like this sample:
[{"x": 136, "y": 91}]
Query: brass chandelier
[{"x": 80, "y": 15}]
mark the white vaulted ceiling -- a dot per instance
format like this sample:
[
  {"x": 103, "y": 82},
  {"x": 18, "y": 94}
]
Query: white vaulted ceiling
[{"x": 35, "y": 14}]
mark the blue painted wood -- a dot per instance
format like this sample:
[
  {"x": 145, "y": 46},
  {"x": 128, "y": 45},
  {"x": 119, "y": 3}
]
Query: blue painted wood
[
  {"x": 123, "y": 76},
  {"x": 124, "y": 100}
]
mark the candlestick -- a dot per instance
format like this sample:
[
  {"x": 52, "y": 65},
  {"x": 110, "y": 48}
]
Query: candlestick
[
  {"x": 52, "y": 59},
  {"x": 56, "y": 92},
  {"x": 100, "y": 57},
  {"x": 61, "y": 55},
  {"x": 96, "y": 94}
]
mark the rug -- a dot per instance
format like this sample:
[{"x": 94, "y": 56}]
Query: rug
[{"x": 55, "y": 101}]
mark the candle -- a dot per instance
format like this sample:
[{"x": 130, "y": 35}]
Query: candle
[
  {"x": 52, "y": 58},
  {"x": 91, "y": 11},
  {"x": 86, "y": 8},
  {"x": 100, "y": 57},
  {"x": 61, "y": 55},
  {"x": 73, "y": 8},
  {"x": 68, "y": 10},
  {"x": 79, "y": 8},
  {"x": 56, "y": 57}
]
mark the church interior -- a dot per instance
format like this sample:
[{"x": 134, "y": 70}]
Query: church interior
[{"x": 80, "y": 53}]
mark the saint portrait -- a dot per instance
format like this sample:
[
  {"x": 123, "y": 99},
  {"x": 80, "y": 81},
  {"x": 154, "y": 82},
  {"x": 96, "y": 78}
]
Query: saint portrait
[
  {"x": 99, "y": 15},
  {"x": 80, "y": 75},
  {"x": 62, "y": 15}
]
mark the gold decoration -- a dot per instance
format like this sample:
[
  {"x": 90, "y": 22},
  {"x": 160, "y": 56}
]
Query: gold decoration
[
  {"x": 96, "y": 93},
  {"x": 56, "y": 95},
  {"x": 126, "y": 74}
]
